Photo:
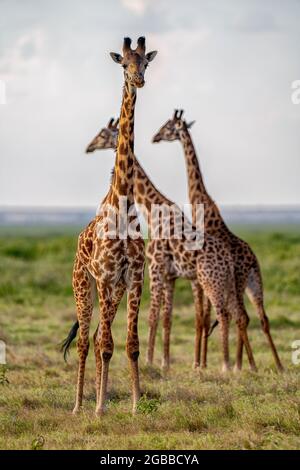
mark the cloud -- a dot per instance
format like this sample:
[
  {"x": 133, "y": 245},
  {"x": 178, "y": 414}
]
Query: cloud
[
  {"x": 256, "y": 21},
  {"x": 62, "y": 87},
  {"x": 138, "y": 7},
  {"x": 21, "y": 62}
]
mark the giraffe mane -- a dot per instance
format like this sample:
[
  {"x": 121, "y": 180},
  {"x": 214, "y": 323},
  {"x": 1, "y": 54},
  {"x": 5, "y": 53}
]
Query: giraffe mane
[{"x": 112, "y": 174}]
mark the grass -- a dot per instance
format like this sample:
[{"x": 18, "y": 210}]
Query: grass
[{"x": 184, "y": 409}]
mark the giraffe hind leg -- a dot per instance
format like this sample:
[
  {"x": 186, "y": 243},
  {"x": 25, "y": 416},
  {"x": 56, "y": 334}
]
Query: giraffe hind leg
[
  {"x": 198, "y": 302},
  {"x": 243, "y": 340},
  {"x": 223, "y": 318},
  {"x": 239, "y": 352},
  {"x": 83, "y": 293},
  {"x": 236, "y": 304},
  {"x": 254, "y": 291}
]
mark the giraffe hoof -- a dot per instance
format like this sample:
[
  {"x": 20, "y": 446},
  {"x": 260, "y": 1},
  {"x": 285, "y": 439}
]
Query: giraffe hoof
[
  {"x": 237, "y": 369},
  {"x": 280, "y": 368},
  {"x": 76, "y": 410},
  {"x": 99, "y": 412},
  {"x": 165, "y": 366},
  {"x": 196, "y": 365},
  {"x": 225, "y": 369}
]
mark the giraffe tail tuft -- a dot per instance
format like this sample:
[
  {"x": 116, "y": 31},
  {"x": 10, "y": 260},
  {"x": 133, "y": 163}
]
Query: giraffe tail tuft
[
  {"x": 212, "y": 327},
  {"x": 65, "y": 345}
]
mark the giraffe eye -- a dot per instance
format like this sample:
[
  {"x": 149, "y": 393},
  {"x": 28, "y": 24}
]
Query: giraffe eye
[{"x": 124, "y": 66}]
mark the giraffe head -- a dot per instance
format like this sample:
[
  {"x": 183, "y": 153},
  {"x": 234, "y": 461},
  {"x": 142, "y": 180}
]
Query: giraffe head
[
  {"x": 134, "y": 61},
  {"x": 170, "y": 131},
  {"x": 106, "y": 138}
]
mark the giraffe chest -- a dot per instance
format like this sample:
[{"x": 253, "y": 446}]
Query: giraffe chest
[{"x": 115, "y": 261}]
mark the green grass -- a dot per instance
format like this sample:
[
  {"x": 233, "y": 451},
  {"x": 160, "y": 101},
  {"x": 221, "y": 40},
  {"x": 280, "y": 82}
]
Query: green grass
[{"x": 185, "y": 409}]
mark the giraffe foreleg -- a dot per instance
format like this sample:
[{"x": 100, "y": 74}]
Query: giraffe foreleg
[
  {"x": 104, "y": 345},
  {"x": 223, "y": 318},
  {"x": 98, "y": 362},
  {"x": 132, "y": 342},
  {"x": 117, "y": 295},
  {"x": 83, "y": 293},
  {"x": 206, "y": 330},
  {"x": 156, "y": 288},
  {"x": 167, "y": 320}
]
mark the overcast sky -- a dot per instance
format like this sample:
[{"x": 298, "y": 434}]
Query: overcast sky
[{"x": 230, "y": 64}]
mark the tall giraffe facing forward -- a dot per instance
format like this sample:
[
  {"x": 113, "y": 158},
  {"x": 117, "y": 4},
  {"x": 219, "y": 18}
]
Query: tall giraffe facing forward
[
  {"x": 114, "y": 263},
  {"x": 209, "y": 267},
  {"x": 247, "y": 270}
]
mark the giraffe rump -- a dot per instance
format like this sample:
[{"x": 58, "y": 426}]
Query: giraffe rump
[{"x": 65, "y": 345}]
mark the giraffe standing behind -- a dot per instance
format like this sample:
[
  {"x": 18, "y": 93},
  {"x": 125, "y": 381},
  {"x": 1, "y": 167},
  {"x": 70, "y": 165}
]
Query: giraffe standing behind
[
  {"x": 112, "y": 264},
  {"x": 211, "y": 266},
  {"x": 247, "y": 270}
]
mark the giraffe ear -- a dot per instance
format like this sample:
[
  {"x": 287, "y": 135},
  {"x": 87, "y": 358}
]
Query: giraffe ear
[
  {"x": 150, "y": 55},
  {"x": 116, "y": 57},
  {"x": 190, "y": 124}
]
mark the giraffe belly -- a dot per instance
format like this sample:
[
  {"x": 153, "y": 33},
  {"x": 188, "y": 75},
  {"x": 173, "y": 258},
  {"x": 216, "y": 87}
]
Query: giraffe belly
[{"x": 186, "y": 270}]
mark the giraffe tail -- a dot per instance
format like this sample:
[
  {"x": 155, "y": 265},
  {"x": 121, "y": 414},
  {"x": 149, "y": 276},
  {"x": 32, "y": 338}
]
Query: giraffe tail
[
  {"x": 212, "y": 327},
  {"x": 65, "y": 345}
]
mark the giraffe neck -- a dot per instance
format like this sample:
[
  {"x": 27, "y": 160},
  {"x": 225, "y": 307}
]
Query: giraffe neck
[
  {"x": 144, "y": 190},
  {"x": 147, "y": 195},
  {"x": 213, "y": 220},
  {"x": 122, "y": 181},
  {"x": 197, "y": 190}
]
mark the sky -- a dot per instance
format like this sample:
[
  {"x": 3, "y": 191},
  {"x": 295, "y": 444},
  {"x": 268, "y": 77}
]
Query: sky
[{"x": 230, "y": 65}]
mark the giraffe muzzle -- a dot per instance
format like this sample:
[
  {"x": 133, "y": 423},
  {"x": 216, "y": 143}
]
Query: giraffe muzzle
[
  {"x": 138, "y": 81},
  {"x": 156, "y": 139},
  {"x": 90, "y": 149}
]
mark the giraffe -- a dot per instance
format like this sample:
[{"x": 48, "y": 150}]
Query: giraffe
[
  {"x": 107, "y": 139},
  {"x": 211, "y": 266},
  {"x": 247, "y": 269},
  {"x": 112, "y": 264}
]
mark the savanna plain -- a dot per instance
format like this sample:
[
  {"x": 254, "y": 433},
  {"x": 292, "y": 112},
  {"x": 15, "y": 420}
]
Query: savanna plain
[{"x": 184, "y": 409}]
